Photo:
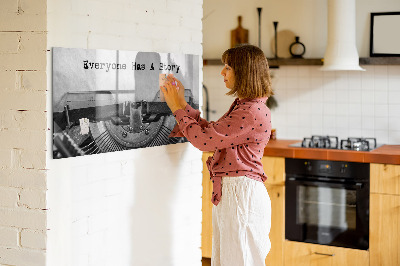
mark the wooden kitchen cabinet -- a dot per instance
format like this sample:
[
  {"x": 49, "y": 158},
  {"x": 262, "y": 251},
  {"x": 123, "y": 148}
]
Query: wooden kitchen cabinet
[
  {"x": 385, "y": 178},
  {"x": 206, "y": 232},
  {"x": 277, "y": 233},
  {"x": 274, "y": 168},
  {"x": 384, "y": 236},
  {"x": 305, "y": 254}
]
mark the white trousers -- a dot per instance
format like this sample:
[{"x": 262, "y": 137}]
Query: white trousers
[{"x": 241, "y": 223}]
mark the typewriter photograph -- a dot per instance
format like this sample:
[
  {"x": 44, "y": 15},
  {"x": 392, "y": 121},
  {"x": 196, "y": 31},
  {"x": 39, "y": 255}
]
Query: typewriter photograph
[{"x": 109, "y": 100}]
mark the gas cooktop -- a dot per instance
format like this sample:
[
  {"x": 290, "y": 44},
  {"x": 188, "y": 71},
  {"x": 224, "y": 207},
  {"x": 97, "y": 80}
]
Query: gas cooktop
[{"x": 332, "y": 142}]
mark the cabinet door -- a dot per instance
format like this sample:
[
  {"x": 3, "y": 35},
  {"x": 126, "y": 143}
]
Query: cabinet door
[
  {"x": 384, "y": 229},
  {"x": 274, "y": 168},
  {"x": 206, "y": 232},
  {"x": 305, "y": 254},
  {"x": 277, "y": 233},
  {"x": 385, "y": 178}
]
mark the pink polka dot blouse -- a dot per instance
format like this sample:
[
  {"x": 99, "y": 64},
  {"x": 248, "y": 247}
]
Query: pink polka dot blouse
[{"x": 238, "y": 139}]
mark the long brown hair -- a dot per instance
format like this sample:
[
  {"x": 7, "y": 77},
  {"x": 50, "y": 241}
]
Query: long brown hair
[{"x": 250, "y": 66}]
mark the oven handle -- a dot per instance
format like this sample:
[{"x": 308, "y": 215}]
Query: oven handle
[{"x": 357, "y": 185}]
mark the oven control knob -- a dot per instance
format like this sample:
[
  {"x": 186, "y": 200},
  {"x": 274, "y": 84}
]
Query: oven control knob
[
  {"x": 308, "y": 166},
  {"x": 343, "y": 168}
]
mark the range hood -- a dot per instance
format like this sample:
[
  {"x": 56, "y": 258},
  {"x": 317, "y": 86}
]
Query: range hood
[{"x": 341, "y": 51}]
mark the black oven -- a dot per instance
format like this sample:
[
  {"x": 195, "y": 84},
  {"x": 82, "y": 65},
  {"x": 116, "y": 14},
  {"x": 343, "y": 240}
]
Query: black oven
[{"x": 327, "y": 202}]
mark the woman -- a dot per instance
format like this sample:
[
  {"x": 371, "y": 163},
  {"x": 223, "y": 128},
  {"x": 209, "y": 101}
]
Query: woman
[{"x": 242, "y": 208}]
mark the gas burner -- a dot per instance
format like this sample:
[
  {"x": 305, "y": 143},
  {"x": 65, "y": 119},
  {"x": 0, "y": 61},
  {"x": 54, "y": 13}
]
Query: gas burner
[
  {"x": 332, "y": 142},
  {"x": 358, "y": 144},
  {"x": 327, "y": 142}
]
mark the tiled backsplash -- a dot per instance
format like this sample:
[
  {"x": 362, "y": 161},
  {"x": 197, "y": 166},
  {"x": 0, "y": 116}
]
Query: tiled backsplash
[{"x": 314, "y": 102}]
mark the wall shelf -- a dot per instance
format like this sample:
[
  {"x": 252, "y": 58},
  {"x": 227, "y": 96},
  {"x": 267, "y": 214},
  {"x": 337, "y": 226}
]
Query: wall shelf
[
  {"x": 274, "y": 63},
  {"x": 380, "y": 61}
]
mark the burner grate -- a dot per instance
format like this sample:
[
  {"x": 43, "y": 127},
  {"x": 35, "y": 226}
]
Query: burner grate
[
  {"x": 358, "y": 144},
  {"x": 327, "y": 142},
  {"x": 332, "y": 142}
]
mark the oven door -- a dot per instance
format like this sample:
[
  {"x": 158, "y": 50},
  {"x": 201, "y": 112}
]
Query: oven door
[{"x": 327, "y": 213}]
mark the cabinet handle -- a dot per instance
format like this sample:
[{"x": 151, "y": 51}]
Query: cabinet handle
[{"x": 325, "y": 254}]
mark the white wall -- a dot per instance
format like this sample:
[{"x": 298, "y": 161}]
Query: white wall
[
  {"x": 137, "y": 207},
  {"x": 311, "y": 102},
  {"x": 343, "y": 104},
  {"x": 304, "y": 18}
]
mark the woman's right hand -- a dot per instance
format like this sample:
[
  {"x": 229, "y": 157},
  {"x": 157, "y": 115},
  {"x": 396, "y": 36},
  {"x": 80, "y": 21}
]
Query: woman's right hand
[{"x": 181, "y": 90}]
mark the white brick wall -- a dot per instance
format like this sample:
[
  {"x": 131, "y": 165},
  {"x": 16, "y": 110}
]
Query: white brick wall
[
  {"x": 22, "y": 132},
  {"x": 137, "y": 207}
]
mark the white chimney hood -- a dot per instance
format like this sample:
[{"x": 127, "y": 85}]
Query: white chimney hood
[{"x": 341, "y": 51}]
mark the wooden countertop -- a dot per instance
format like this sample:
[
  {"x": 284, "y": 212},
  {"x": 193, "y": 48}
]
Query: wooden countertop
[{"x": 389, "y": 154}]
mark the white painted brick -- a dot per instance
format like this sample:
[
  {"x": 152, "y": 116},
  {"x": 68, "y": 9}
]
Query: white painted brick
[
  {"x": 115, "y": 202},
  {"x": 196, "y": 10},
  {"x": 153, "y": 32},
  {"x": 97, "y": 173},
  {"x": 5, "y": 159},
  {"x": 114, "y": 186},
  {"x": 9, "y": 237},
  {"x": 65, "y": 7},
  {"x": 35, "y": 140},
  {"x": 33, "y": 159},
  {"x": 8, "y": 6},
  {"x": 33, "y": 239},
  {"x": 97, "y": 190},
  {"x": 191, "y": 23},
  {"x": 108, "y": 41},
  {"x": 180, "y": 35},
  {"x": 197, "y": 166},
  {"x": 22, "y": 218},
  {"x": 81, "y": 193},
  {"x": 177, "y": 7},
  {"x": 79, "y": 228},
  {"x": 8, "y": 197},
  {"x": 9, "y": 42},
  {"x": 35, "y": 120},
  {"x": 33, "y": 199},
  {"x": 136, "y": 17},
  {"x": 33, "y": 7},
  {"x": 31, "y": 55},
  {"x": 169, "y": 19},
  {"x": 166, "y": 46},
  {"x": 98, "y": 222},
  {"x": 23, "y": 100},
  {"x": 23, "y": 178},
  {"x": 7, "y": 80},
  {"x": 113, "y": 170},
  {"x": 97, "y": 10},
  {"x": 149, "y": 6},
  {"x": 191, "y": 48},
  {"x": 15, "y": 158},
  {"x": 22, "y": 22},
  {"x": 31, "y": 80},
  {"x": 113, "y": 28},
  {"x": 196, "y": 37},
  {"x": 18, "y": 256},
  {"x": 88, "y": 207}
]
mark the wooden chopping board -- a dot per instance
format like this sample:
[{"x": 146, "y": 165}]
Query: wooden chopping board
[{"x": 239, "y": 35}]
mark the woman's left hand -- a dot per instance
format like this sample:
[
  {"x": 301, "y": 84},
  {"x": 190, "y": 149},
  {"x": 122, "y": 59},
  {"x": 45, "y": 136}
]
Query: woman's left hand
[{"x": 170, "y": 91}]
